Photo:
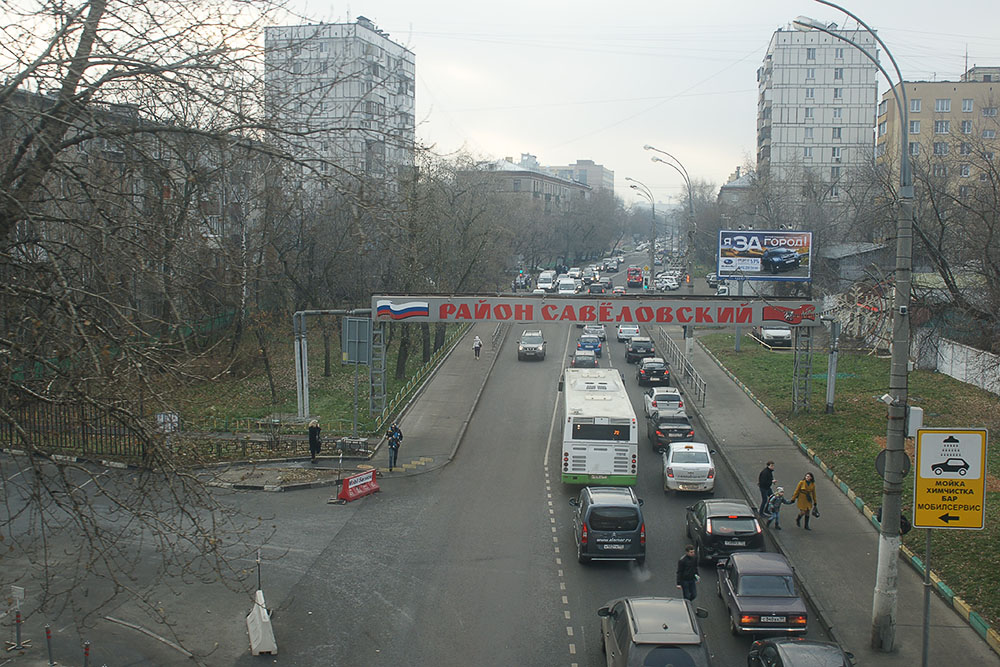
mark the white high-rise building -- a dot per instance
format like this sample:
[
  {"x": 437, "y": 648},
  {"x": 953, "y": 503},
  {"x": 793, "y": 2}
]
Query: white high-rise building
[
  {"x": 347, "y": 91},
  {"x": 815, "y": 113}
]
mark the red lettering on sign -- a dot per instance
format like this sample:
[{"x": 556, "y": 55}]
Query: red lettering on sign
[
  {"x": 644, "y": 314},
  {"x": 625, "y": 315},
  {"x": 744, "y": 315},
  {"x": 503, "y": 311},
  {"x": 684, "y": 314},
  {"x": 568, "y": 313},
  {"x": 446, "y": 310},
  {"x": 605, "y": 312},
  {"x": 524, "y": 311},
  {"x": 702, "y": 314},
  {"x": 463, "y": 312},
  {"x": 665, "y": 314},
  {"x": 588, "y": 314},
  {"x": 549, "y": 311},
  {"x": 482, "y": 311}
]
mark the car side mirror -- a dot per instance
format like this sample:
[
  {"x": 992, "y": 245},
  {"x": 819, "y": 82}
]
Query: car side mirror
[
  {"x": 575, "y": 502},
  {"x": 711, "y": 451},
  {"x": 640, "y": 502},
  {"x": 690, "y": 508},
  {"x": 701, "y": 612},
  {"x": 604, "y": 611}
]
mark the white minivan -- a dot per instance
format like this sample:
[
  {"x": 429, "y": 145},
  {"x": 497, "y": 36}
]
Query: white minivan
[
  {"x": 566, "y": 286},
  {"x": 547, "y": 281}
]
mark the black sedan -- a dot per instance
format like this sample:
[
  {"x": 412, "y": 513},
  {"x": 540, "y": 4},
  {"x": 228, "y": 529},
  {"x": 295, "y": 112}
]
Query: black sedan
[
  {"x": 722, "y": 526},
  {"x": 652, "y": 370},
  {"x": 760, "y": 596},
  {"x": 666, "y": 429},
  {"x": 776, "y": 260},
  {"x": 797, "y": 652}
]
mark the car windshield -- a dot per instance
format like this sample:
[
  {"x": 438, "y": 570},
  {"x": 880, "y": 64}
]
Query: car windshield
[
  {"x": 531, "y": 339},
  {"x": 685, "y": 456},
  {"x": 590, "y": 340},
  {"x": 727, "y": 525},
  {"x": 767, "y": 585},
  {"x": 614, "y": 518}
]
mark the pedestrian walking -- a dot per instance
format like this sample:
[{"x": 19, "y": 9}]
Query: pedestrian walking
[
  {"x": 477, "y": 345},
  {"x": 314, "y": 440},
  {"x": 687, "y": 573},
  {"x": 764, "y": 481},
  {"x": 773, "y": 509},
  {"x": 805, "y": 499},
  {"x": 395, "y": 438}
]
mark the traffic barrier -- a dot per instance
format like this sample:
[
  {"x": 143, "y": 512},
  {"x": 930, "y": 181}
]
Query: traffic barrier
[
  {"x": 358, "y": 485},
  {"x": 259, "y": 628}
]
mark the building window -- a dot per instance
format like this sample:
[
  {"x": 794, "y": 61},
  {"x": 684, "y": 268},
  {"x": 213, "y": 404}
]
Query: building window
[
  {"x": 963, "y": 170},
  {"x": 834, "y": 173},
  {"x": 989, "y": 134},
  {"x": 517, "y": 185},
  {"x": 810, "y": 72},
  {"x": 834, "y": 191},
  {"x": 942, "y": 126},
  {"x": 837, "y": 153},
  {"x": 838, "y": 93},
  {"x": 942, "y": 105},
  {"x": 838, "y": 53},
  {"x": 836, "y": 132},
  {"x": 810, "y": 54},
  {"x": 882, "y": 128},
  {"x": 883, "y": 106},
  {"x": 940, "y": 170},
  {"x": 914, "y": 127},
  {"x": 940, "y": 148},
  {"x": 989, "y": 111},
  {"x": 914, "y": 148},
  {"x": 965, "y": 149},
  {"x": 809, "y": 112},
  {"x": 880, "y": 149},
  {"x": 966, "y": 127},
  {"x": 837, "y": 112},
  {"x": 966, "y": 105},
  {"x": 838, "y": 73},
  {"x": 915, "y": 106},
  {"x": 810, "y": 93},
  {"x": 807, "y": 152},
  {"x": 982, "y": 176},
  {"x": 809, "y": 133},
  {"x": 963, "y": 192}
]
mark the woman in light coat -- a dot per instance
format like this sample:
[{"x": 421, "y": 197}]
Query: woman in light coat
[{"x": 805, "y": 498}]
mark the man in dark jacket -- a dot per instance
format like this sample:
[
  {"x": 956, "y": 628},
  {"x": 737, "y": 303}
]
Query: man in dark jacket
[
  {"x": 687, "y": 573},
  {"x": 764, "y": 481},
  {"x": 395, "y": 437}
]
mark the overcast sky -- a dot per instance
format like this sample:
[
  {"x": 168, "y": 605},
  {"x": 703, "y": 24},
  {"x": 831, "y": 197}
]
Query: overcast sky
[{"x": 585, "y": 80}]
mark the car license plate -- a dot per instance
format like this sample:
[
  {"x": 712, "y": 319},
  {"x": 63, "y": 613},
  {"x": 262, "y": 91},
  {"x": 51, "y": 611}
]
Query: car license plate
[
  {"x": 772, "y": 619},
  {"x": 615, "y": 547},
  {"x": 598, "y": 477},
  {"x": 689, "y": 487},
  {"x": 735, "y": 543}
]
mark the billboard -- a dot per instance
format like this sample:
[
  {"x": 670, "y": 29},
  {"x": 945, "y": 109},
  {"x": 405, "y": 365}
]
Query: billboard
[{"x": 765, "y": 255}]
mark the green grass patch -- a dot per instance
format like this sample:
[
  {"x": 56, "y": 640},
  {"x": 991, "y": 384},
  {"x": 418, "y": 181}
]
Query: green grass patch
[{"x": 849, "y": 439}]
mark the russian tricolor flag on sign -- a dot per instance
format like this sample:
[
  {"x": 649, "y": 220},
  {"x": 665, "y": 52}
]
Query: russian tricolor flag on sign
[{"x": 401, "y": 311}]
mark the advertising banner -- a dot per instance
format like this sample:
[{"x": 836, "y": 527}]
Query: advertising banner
[
  {"x": 538, "y": 308},
  {"x": 765, "y": 255}
]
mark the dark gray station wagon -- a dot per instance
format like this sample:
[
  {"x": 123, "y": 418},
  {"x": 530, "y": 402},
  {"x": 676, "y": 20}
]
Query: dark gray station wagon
[{"x": 608, "y": 525}]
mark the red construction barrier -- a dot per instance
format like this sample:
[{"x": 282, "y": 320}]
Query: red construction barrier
[{"x": 358, "y": 485}]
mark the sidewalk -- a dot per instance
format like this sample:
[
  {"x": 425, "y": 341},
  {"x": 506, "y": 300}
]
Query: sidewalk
[{"x": 836, "y": 560}]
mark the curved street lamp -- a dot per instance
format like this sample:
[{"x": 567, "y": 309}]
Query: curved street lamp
[
  {"x": 885, "y": 597},
  {"x": 643, "y": 190},
  {"x": 679, "y": 168}
]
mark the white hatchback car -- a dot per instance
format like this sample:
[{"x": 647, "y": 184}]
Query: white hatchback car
[
  {"x": 688, "y": 466},
  {"x": 627, "y": 331},
  {"x": 665, "y": 400}
]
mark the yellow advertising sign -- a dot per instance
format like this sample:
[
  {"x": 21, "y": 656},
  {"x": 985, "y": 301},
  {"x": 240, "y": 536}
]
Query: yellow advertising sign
[{"x": 949, "y": 490}]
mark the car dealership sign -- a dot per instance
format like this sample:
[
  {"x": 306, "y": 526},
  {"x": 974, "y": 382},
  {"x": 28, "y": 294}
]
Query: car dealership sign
[
  {"x": 765, "y": 255},
  {"x": 544, "y": 308}
]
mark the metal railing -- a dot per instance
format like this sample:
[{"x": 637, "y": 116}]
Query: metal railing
[
  {"x": 497, "y": 335},
  {"x": 681, "y": 367}
]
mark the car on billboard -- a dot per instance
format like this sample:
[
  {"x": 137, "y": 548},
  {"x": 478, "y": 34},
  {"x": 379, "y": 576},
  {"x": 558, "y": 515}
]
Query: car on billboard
[{"x": 777, "y": 260}]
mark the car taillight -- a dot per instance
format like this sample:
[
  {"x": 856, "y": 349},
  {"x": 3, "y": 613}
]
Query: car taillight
[
  {"x": 690, "y": 434},
  {"x": 654, "y": 405},
  {"x": 798, "y": 619},
  {"x": 583, "y": 534},
  {"x": 708, "y": 526},
  {"x": 641, "y": 372},
  {"x": 747, "y": 619},
  {"x": 579, "y": 346},
  {"x": 680, "y": 404},
  {"x": 642, "y": 534},
  {"x": 711, "y": 473},
  {"x": 670, "y": 471}
]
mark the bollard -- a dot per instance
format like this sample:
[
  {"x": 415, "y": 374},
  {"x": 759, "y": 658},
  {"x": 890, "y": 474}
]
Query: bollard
[
  {"x": 48, "y": 643},
  {"x": 18, "y": 645},
  {"x": 86, "y": 654}
]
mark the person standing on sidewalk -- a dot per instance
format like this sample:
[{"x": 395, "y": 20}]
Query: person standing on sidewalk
[
  {"x": 477, "y": 345},
  {"x": 395, "y": 437},
  {"x": 764, "y": 482},
  {"x": 687, "y": 574},
  {"x": 805, "y": 498},
  {"x": 774, "y": 504},
  {"x": 314, "y": 440}
]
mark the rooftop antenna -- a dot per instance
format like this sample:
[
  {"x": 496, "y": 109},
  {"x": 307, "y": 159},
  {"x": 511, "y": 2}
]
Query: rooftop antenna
[{"x": 966, "y": 75}]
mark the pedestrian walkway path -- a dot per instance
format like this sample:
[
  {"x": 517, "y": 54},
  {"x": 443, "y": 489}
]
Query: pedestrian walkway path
[{"x": 837, "y": 559}]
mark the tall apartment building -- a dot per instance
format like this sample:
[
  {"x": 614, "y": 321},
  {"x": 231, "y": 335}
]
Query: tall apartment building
[
  {"x": 952, "y": 129},
  {"x": 597, "y": 176},
  {"x": 348, "y": 90},
  {"x": 815, "y": 113}
]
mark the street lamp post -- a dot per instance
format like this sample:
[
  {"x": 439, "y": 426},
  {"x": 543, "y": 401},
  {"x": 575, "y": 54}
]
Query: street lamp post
[
  {"x": 885, "y": 598},
  {"x": 679, "y": 168},
  {"x": 645, "y": 192}
]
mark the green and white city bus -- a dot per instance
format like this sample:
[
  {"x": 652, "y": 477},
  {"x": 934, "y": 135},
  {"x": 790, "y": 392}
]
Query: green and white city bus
[{"x": 600, "y": 435}]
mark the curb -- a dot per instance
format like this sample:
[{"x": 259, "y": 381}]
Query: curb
[{"x": 975, "y": 621}]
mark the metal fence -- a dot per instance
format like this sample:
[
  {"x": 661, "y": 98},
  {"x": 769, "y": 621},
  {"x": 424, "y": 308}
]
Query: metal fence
[
  {"x": 81, "y": 430},
  {"x": 681, "y": 367}
]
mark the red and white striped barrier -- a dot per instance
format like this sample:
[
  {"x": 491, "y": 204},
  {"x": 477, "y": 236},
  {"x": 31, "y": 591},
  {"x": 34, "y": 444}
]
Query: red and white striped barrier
[{"x": 358, "y": 485}]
